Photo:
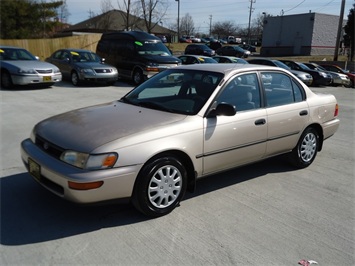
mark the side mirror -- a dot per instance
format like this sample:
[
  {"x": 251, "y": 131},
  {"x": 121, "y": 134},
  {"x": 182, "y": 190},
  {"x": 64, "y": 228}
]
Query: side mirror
[{"x": 223, "y": 109}]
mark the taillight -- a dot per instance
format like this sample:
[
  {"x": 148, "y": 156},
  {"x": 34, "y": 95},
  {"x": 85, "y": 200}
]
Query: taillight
[{"x": 336, "y": 111}]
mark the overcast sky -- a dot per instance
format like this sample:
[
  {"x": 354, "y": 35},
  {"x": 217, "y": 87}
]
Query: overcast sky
[{"x": 205, "y": 12}]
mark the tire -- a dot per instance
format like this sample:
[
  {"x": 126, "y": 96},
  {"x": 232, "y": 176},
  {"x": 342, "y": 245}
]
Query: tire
[
  {"x": 306, "y": 150},
  {"x": 6, "y": 81},
  {"x": 138, "y": 77},
  {"x": 160, "y": 186},
  {"x": 75, "y": 78}
]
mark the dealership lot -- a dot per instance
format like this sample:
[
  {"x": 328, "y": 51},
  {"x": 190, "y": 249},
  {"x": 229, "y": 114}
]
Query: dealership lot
[{"x": 262, "y": 214}]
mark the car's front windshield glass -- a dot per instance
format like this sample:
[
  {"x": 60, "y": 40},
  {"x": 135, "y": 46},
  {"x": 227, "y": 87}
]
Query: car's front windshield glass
[
  {"x": 151, "y": 47},
  {"x": 175, "y": 90},
  {"x": 83, "y": 56},
  {"x": 15, "y": 54},
  {"x": 282, "y": 65},
  {"x": 303, "y": 66}
]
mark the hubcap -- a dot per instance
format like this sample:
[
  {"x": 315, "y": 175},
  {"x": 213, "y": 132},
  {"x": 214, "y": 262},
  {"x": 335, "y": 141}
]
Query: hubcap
[
  {"x": 165, "y": 186},
  {"x": 308, "y": 147},
  {"x": 74, "y": 79}
]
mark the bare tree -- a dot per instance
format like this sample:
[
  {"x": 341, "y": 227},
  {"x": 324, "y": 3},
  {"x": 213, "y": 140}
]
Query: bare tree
[
  {"x": 130, "y": 12},
  {"x": 187, "y": 26},
  {"x": 63, "y": 12},
  {"x": 153, "y": 12},
  {"x": 223, "y": 29}
]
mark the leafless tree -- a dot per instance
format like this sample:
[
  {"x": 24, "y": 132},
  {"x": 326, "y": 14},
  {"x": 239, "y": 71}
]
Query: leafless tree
[
  {"x": 153, "y": 12},
  {"x": 187, "y": 26},
  {"x": 130, "y": 12},
  {"x": 224, "y": 29}
]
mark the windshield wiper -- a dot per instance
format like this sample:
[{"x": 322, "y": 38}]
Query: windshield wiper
[{"x": 155, "y": 106}]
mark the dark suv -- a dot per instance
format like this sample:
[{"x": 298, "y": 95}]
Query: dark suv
[{"x": 199, "y": 49}]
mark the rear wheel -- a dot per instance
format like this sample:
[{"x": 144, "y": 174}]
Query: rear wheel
[
  {"x": 306, "y": 150},
  {"x": 160, "y": 186}
]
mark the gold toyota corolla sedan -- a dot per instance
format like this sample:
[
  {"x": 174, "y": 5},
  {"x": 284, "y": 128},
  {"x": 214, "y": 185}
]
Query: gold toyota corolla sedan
[{"x": 180, "y": 125}]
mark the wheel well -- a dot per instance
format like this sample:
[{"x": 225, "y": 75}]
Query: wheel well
[
  {"x": 186, "y": 161},
  {"x": 319, "y": 130}
]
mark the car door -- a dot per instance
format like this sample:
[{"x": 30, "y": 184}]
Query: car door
[
  {"x": 231, "y": 141},
  {"x": 287, "y": 112}
]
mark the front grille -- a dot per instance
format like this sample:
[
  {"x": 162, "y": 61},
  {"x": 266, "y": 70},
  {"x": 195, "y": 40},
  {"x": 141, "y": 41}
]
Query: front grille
[
  {"x": 49, "y": 147},
  {"x": 44, "y": 71},
  {"x": 100, "y": 70}
]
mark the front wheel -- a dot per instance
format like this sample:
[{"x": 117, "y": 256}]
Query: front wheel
[
  {"x": 306, "y": 150},
  {"x": 160, "y": 186},
  {"x": 75, "y": 78},
  {"x": 138, "y": 76},
  {"x": 6, "y": 81}
]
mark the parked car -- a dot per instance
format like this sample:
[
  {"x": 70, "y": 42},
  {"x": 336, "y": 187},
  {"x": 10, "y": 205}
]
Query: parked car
[
  {"x": 184, "y": 40},
  {"x": 182, "y": 124},
  {"x": 232, "y": 50},
  {"x": 305, "y": 77},
  {"x": 338, "y": 79},
  {"x": 342, "y": 71},
  {"x": 229, "y": 59},
  {"x": 19, "y": 67},
  {"x": 80, "y": 66},
  {"x": 137, "y": 55},
  {"x": 196, "y": 59},
  {"x": 320, "y": 78},
  {"x": 248, "y": 47},
  {"x": 199, "y": 49},
  {"x": 193, "y": 39}
]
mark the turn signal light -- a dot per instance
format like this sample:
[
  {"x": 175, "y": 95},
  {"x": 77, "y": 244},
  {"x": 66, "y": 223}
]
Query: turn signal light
[
  {"x": 85, "y": 186},
  {"x": 336, "y": 111}
]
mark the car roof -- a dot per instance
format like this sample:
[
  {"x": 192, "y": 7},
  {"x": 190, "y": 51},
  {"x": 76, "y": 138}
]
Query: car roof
[
  {"x": 76, "y": 50},
  {"x": 226, "y": 68},
  {"x": 11, "y": 47}
]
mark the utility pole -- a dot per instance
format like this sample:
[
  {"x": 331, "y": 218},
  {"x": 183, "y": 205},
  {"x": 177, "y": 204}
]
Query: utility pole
[
  {"x": 210, "y": 25},
  {"x": 178, "y": 20},
  {"x": 250, "y": 11},
  {"x": 340, "y": 27}
]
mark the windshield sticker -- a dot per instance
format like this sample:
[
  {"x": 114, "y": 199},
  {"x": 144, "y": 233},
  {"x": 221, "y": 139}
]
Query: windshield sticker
[
  {"x": 138, "y": 43},
  {"x": 1, "y": 51},
  {"x": 201, "y": 59},
  {"x": 74, "y": 53}
]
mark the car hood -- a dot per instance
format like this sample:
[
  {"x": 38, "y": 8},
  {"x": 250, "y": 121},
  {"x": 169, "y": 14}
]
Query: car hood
[
  {"x": 162, "y": 59},
  {"x": 296, "y": 72},
  {"x": 29, "y": 64},
  {"x": 91, "y": 127}
]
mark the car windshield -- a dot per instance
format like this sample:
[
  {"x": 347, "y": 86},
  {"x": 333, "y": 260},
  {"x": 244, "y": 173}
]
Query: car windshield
[
  {"x": 151, "y": 47},
  {"x": 175, "y": 90},
  {"x": 303, "y": 66},
  {"x": 83, "y": 56},
  {"x": 15, "y": 54},
  {"x": 282, "y": 65}
]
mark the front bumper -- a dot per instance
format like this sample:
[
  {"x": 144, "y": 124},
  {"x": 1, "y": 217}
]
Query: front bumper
[
  {"x": 54, "y": 175},
  {"x": 36, "y": 79}
]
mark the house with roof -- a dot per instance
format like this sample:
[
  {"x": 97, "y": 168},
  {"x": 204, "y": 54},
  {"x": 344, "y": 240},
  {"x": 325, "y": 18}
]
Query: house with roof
[{"x": 114, "y": 20}]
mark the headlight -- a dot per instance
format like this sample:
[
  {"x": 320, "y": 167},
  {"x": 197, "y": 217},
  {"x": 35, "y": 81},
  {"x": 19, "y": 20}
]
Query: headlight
[
  {"x": 324, "y": 75},
  {"x": 87, "y": 71},
  {"x": 89, "y": 161},
  {"x": 56, "y": 70},
  {"x": 27, "y": 71}
]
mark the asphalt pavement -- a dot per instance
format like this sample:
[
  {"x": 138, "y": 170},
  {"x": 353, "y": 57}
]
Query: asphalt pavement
[{"x": 263, "y": 214}]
